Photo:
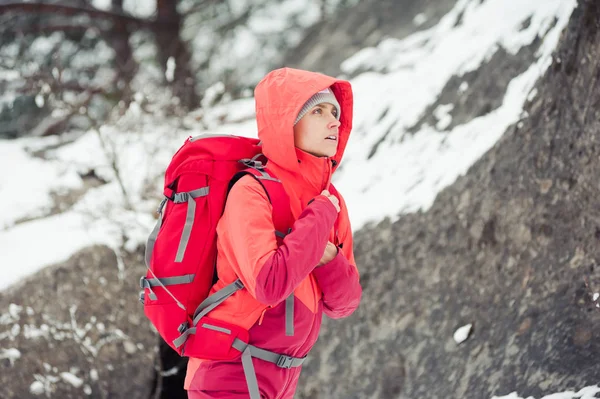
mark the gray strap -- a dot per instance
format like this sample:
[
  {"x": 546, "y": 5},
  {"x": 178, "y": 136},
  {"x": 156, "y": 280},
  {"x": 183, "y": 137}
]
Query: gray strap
[
  {"x": 189, "y": 217},
  {"x": 250, "y": 374},
  {"x": 210, "y": 136},
  {"x": 179, "y": 198},
  {"x": 187, "y": 229},
  {"x": 282, "y": 361},
  {"x": 216, "y": 328},
  {"x": 239, "y": 345},
  {"x": 152, "y": 238},
  {"x": 215, "y": 299},
  {"x": 289, "y": 315},
  {"x": 150, "y": 249},
  {"x": 161, "y": 282},
  {"x": 206, "y": 306},
  {"x": 250, "y": 351},
  {"x": 265, "y": 176},
  {"x": 201, "y": 192},
  {"x": 183, "y": 337}
]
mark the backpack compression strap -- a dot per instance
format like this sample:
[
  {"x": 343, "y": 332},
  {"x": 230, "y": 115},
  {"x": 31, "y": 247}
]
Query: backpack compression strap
[{"x": 185, "y": 237}]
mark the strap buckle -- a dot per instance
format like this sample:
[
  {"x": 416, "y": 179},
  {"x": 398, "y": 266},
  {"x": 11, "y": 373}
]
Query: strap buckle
[
  {"x": 285, "y": 362},
  {"x": 144, "y": 283},
  {"x": 252, "y": 163},
  {"x": 162, "y": 205},
  {"x": 182, "y": 327},
  {"x": 179, "y": 198},
  {"x": 238, "y": 284}
]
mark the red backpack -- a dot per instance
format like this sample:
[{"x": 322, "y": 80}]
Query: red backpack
[{"x": 181, "y": 250}]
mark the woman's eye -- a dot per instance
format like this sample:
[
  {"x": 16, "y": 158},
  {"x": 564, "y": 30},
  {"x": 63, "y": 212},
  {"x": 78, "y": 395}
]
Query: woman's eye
[{"x": 317, "y": 111}]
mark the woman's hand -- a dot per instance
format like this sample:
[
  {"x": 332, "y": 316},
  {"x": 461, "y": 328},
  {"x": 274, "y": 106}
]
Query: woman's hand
[
  {"x": 331, "y": 252},
  {"x": 334, "y": 200}
]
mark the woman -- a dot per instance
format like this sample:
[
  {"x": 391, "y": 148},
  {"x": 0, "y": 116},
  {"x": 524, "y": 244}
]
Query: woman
[{"x": 304, "y": 122}]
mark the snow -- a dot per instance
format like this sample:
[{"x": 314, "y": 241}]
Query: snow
[
  {"x": 45, "y": 44},
  {"x": 137, "y": 8},
  {"x": 140, "y": 8},
  {"x": 39, "y": 100},
  {"x": 37, "y": 388},
  {"x": 8, "y": 75},
  {"x": 57, "y": 237},
  {"x": 98, "y": 217},
  {"x": 246, "y": 51},
  {"x": 585, "y": 393},
  {"x": 28, "y": 193},
  {"x": 14, "y": 310},
  {"x": 462, "y": 333},
  {"x": 12, "y": 354},
  {"x": 442, "y": 114},
  {"x": 104, "y": 5},
  {"x": 406, "y": 77},
  {"x": 419, "y": 19},
  {"x": 170, "y": 72},
  {"x": 71, "y": 379}
]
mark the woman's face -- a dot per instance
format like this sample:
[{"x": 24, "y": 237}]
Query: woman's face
[{"x": 318, "y": 131}]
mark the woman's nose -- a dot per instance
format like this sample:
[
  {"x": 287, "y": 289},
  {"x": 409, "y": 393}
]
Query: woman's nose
[{"x": 334, "y": 122}]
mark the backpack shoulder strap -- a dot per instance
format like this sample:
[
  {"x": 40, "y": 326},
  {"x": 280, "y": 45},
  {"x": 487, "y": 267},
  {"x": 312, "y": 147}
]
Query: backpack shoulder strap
[{"x": 282, "y": 215}]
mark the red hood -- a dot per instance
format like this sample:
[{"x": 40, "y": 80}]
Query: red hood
[{"x": 279, "y": 98}]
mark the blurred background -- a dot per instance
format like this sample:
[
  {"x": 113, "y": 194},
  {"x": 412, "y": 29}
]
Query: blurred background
[{"x": 471, "y": 177}]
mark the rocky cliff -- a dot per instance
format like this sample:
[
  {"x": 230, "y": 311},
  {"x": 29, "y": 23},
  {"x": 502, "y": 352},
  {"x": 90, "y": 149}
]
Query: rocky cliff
[{"x": 511, "y": 248}]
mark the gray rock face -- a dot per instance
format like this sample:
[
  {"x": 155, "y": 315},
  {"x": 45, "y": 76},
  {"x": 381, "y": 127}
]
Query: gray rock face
[
  {"x": 485, "y": 88},
  {"x": 77, "y": 330},
  {"x": 329, "y": 43},
  {"x": 512, "y": 248}
]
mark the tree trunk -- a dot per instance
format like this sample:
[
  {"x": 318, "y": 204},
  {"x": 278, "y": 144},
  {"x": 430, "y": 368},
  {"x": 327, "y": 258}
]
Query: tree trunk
[
  {"x": 118, "y": 39},
  {"x": 170, "y": 45}
]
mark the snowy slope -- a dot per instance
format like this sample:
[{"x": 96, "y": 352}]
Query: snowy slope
[
  {"x": 408, "y": 75},
  {"x": 400, "y": 79},
  {"x": 405, "y": 173}
]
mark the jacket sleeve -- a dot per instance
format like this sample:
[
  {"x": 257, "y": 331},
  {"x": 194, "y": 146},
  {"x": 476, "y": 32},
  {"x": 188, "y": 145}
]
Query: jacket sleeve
[
  {"x": 271, "y": 273},
  {"x": 339, "y": 279}
]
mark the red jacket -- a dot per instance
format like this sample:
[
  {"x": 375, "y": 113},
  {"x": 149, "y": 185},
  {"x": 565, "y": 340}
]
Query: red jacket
[{"x": 247, "y": 246}]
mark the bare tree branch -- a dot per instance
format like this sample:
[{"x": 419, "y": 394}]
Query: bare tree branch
[
  {"x": 200, "y": 6},
  {"x": 53, "y": 8},
  {"x": 46, "y": 29}
]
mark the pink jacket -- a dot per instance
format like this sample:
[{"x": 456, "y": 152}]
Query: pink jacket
[{"x": 248, "y": 248}]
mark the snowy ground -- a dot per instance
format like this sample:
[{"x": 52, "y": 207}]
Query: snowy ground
[
  {"x": 404, "y": 175},
  {"x": 585, "y": 393}
]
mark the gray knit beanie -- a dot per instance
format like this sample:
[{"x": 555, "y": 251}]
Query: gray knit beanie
[{"x": 324, "y": 96}]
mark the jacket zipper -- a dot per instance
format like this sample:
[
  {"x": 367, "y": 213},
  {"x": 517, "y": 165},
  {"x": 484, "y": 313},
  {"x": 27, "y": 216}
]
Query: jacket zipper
[{"x": 326, "y": 174}]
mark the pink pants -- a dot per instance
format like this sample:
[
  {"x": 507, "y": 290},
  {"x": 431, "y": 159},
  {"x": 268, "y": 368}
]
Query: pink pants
[
  {"x": 228, "y": 381},
  {"x": 219, "y": 394}
]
